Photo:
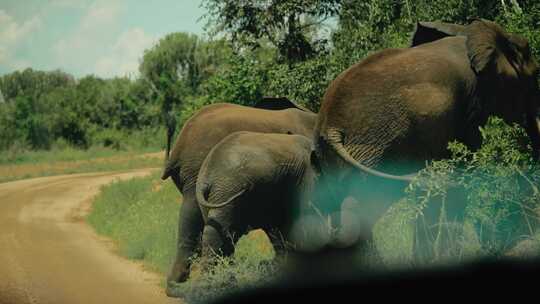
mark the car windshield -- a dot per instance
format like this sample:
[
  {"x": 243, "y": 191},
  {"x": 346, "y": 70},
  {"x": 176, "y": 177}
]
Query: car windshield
[{"x": 243, "y": 151}]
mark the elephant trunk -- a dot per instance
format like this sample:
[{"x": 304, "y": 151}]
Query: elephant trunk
[
  {"x": 335, "y": 140},
  {"x": 171, "y": 128}
]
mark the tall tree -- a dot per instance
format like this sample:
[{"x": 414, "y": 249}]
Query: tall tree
[
  {"x": 288, "y": 25},
  {"x": 176, "y": 66},
  {"x": 170, "y": 69}
]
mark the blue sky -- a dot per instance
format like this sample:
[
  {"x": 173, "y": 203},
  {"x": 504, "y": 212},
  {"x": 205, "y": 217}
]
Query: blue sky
[{"x": 102, "y": 37}]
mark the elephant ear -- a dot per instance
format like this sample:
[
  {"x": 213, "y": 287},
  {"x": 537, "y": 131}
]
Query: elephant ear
[
  {"x": 482, "y": 44},
  {"x": 278, "y": 103},
  {"x": 426, "y": 32}
]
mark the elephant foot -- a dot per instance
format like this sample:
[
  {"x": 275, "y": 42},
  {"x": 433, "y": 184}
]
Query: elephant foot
[
  {"x": 173, "y": 290},
  {"x": 178, "y": 274}
]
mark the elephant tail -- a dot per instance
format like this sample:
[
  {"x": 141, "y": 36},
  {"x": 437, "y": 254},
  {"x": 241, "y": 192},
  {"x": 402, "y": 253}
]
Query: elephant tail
[
  {"x": 335, "y": 140},
  {"x": 203, "y": 191},
  {"x": 172, "y": 166}
]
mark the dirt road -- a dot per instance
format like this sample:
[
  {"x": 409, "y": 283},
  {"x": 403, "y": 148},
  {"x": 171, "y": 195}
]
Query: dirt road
[{"x": 49, "y": 255}]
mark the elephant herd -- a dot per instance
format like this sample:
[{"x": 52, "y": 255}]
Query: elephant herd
[{"x": 242, "y": 168}]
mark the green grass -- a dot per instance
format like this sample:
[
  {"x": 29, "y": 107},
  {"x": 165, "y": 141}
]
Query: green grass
[
  {"x": 65, "y": 154},
  {"x": 29, "y": 164},
  {"x": 141, "y": 215},
  {"x": 110, "y": 150}
]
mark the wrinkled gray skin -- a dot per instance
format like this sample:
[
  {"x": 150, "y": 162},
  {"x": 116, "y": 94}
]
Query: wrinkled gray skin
[
  {"x": 198, "y": 136},
  {"x": 250, "y": 181},
  {"x": 385, "y": 116}
]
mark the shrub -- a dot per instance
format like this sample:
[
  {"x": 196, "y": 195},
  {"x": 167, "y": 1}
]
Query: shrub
[
  {"x": 142, "y": 215},
  {"x": 110, "y": 138},
  {"x": 242, "y": 81},
  {"x": 499, "y": 181},
  {"x": 303, "y": 82},
  {"x": 248, "y": 268}
]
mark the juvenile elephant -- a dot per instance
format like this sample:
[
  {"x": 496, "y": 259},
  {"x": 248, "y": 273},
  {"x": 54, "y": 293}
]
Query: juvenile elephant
[
  {"x": 198, "y": 136},
  {"x": 387, "y": 115},
  {"x": 253, "y": 180}
]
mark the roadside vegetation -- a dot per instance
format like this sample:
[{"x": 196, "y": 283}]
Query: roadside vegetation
[
  {"x": 30, "y": 164},
  {"x": 141, "y": 149},
  {"x": 141, "y": 215},
  {"x": 484, "y": 203}
]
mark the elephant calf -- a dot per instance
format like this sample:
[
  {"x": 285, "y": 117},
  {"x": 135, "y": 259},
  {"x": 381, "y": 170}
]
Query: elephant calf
[
  {"x": 249, "y": 181},
  {"x": 206, "y": 128}
]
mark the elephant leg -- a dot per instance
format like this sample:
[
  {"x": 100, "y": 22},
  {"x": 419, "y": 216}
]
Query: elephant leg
[
  {"x": 217, "y": 241},
  {"x": 279, "y": 242},
  {"x": 218, "y": 237},
  {"x": 327, "y": 198},
  {"x": 353, "y": 229},
  {"x": 190, "y": 227}
]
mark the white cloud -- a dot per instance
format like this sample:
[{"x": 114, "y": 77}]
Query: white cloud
[
  {"x": 93, "y": 37},
  {"x": 3, "y": 54},
  {"x": 125, "y": 54},
  {"x": 68, "y": 3},
  {"x": 100, "y": 14},
  {"x": 12, "y": 33}
]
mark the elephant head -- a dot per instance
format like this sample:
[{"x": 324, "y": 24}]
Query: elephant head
[{"x": 505, "y": 70}]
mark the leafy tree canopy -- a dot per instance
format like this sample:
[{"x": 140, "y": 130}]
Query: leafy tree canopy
[{"x": 290, "y": 26}]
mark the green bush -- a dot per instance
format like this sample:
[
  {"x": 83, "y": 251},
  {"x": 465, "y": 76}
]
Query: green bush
[
  {"x": 227, "y": 276},
  {"x": 146, "y": 139},
  {"x": 304, "y": 83},
  {"x": 110, "y": 138},
  {"x": 499, "y": 181},
  {"x": 242, "y": 81}
]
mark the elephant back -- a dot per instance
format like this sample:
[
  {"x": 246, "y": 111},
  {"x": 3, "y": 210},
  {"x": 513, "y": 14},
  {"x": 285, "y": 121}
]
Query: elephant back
[{"x": 212, "y": 123}]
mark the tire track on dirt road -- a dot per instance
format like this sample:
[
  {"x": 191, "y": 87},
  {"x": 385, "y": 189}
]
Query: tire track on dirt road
[{"x": 48, "y": 254}]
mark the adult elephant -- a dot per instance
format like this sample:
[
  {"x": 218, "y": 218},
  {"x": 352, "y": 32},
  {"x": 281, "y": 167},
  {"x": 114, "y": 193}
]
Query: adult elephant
[
  {"x": 252, "y": 180},
  {"x": 198, "y": 136},
  {"x": 385, "y": 116}
]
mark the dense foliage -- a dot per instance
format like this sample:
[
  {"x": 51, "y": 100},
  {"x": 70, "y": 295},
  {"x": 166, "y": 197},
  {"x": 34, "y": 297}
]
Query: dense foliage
[
  {"x": 492, "y": 190},
  {"x": 41, "y": 109},
  {"x": 289, "y": 26},
  {"x": 277, "y": 48}
]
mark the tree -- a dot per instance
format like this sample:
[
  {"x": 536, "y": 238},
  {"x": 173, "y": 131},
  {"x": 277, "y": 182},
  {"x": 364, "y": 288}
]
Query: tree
[
  {"x": 365, "y": 26},
  {"x": 32, "y": 83},
  {"x": 176, "y": 67},
  {"x": 241, "y": 81},
  {"x": 170, "y": 69},
  {"x": 287, "y": 25},
  {"x": 26, "y": 113}
]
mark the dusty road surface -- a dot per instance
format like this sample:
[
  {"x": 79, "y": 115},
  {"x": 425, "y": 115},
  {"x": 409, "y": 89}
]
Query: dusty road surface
[{"x": 49, "y": 255}]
